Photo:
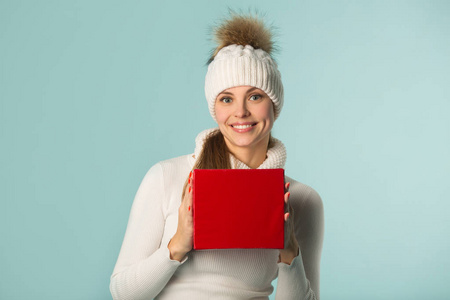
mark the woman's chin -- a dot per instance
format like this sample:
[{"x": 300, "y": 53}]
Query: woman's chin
[
  {"x": 243, "y": 143},
  {"x": 247, "y": 140}
]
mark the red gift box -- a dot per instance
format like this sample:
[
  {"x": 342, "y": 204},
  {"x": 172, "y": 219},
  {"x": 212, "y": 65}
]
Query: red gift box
[{"x": 238, "y": 208}]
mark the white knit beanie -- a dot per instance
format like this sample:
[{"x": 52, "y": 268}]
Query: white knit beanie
[
  {"x": 243, "y": 58},
  {"x": 236, "y": 65}
]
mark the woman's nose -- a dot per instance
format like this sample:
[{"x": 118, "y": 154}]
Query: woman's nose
[{"x": 241, "y": 110}]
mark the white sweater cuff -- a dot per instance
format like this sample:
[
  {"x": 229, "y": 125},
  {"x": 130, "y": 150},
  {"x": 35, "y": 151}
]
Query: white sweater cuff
[
  {"x": 166, "y": 252},
  {"x": 292, "y": 281}
]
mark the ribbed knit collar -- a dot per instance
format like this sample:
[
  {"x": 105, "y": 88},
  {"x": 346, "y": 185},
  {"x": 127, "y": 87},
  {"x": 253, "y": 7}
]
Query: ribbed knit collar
[{"x": 276, "y": 156}]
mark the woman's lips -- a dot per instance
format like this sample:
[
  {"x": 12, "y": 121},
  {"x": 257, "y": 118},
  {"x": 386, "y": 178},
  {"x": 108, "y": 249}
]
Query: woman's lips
[{"x": 243, "y": 127}]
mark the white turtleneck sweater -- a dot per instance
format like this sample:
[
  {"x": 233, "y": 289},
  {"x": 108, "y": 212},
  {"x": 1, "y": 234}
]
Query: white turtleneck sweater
[{"x": 144, "y": 269}]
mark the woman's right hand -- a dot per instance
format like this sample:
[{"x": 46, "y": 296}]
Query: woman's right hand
[{"x": 182, "y": 242}]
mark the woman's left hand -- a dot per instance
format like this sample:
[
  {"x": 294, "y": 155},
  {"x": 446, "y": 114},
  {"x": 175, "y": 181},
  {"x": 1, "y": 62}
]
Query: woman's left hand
[{"x": 291, "y": 247}]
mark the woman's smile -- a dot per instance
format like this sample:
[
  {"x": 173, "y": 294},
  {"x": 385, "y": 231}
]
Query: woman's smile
[{"x": 243, "y": 127}]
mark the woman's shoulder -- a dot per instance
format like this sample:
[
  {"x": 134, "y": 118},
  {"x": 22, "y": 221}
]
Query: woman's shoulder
[
  {"x": 182, "y": 161},
  {"x": 172, "y": 168},
  {"x": 172, "y": 164},
  {"x": 304, "y": 195}
]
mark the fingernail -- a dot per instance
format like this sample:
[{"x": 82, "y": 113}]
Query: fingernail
[
  {"x": 189, "y": 208},
  {"x": 288, "y": 184},
  {"x": 189, "y": 189},
  {"x": 189, "y": 180},
  {"x": 289, "y": 194},
  {"x": 190, "y": 174}
]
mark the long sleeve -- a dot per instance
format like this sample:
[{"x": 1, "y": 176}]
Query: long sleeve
[
  {"x": 301, "y": 279},
  {"x": 144, "y": 266}
]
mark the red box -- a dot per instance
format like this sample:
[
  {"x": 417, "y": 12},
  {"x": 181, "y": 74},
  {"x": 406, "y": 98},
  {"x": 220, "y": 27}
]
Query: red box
[{"x": 238, "y": 208}]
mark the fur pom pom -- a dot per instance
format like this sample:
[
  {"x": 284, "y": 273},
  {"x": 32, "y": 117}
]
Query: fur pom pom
[{"x": 242, "y": 30}]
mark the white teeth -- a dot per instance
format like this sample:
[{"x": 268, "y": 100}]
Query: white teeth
[{"x": 242, "y": 126}]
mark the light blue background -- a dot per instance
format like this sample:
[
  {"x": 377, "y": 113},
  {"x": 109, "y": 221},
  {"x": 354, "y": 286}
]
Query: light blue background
[{"x": 93, "y": 93}]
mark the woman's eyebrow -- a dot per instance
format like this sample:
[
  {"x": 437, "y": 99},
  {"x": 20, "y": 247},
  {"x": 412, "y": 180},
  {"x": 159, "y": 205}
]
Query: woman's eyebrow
[
  {"x": 248, "y": 91},
  {"x": 226, "y": 93},
  {"x": 252, "y": 89}
]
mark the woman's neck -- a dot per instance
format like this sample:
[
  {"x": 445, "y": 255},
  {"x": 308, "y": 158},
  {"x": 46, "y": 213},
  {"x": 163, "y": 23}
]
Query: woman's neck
[{"x": 251, "y": 156}]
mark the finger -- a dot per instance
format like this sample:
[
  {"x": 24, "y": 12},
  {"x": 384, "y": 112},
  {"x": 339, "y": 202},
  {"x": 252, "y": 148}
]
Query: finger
[
  {"x": 191, "y": 185},
  {"x": 190, "y": 179},
  {"x": 189, "y": 202},
  {"x": 286, "y": 186},
  {"x": 286, "y": 216},
  {"x": 190, "y": 192},
  {"x": 188, "y": 188},
  {"x": 286, "y": 202},
  {"x": 286, "y": 197}
]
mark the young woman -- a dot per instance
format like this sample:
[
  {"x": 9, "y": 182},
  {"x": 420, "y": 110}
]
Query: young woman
[{"x": 245, "y": 95}]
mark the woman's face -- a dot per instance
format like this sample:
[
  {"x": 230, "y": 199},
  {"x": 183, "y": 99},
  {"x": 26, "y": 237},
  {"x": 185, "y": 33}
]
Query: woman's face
[{"x": 245, "y": 116}]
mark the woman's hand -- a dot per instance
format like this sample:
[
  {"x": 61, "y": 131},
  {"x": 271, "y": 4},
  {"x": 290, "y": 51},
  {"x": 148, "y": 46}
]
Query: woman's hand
[
  {"x": 291, "y": 247},
  {"x": 182, "y": 242}
]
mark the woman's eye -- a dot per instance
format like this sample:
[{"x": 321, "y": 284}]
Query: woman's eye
[
  {"x": 226, "y": 100},
  {"x": 255, "y": 97}
]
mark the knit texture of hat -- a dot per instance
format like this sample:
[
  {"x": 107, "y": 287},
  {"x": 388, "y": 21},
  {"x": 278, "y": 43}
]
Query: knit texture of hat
[{"x": 237, "y": 65}]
